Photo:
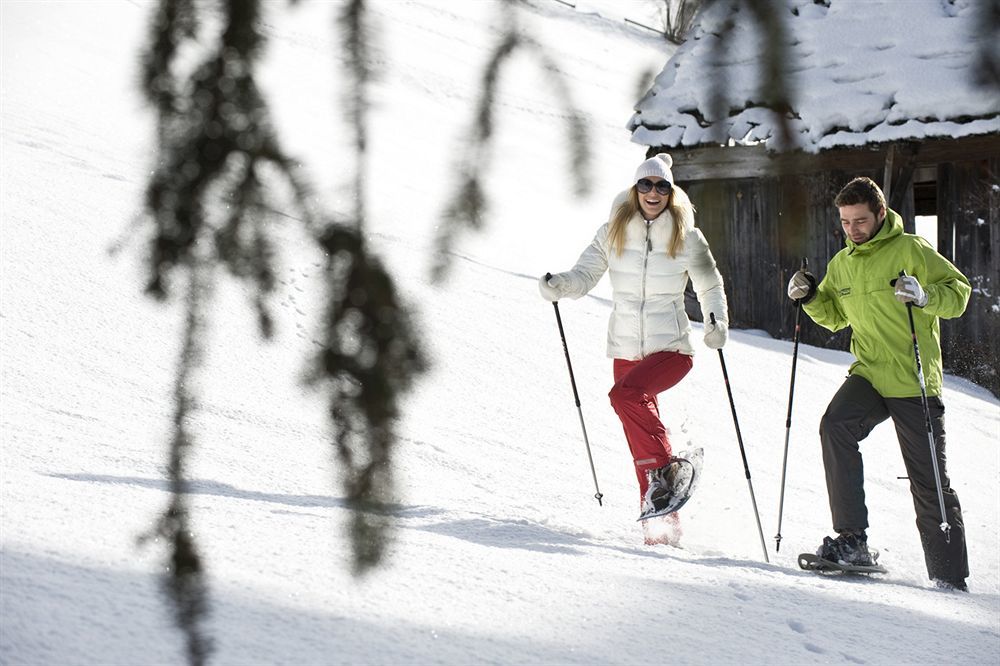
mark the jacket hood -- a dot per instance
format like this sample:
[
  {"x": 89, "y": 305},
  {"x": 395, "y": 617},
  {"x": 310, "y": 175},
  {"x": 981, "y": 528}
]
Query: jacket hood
[{"x": 891, "y": 227}]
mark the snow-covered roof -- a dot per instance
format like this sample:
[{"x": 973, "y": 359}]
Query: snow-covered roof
[{"x": 862, "y": 71}]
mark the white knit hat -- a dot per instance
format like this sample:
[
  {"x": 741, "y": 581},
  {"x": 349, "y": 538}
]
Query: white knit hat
[{"x": 658, "y": 165}]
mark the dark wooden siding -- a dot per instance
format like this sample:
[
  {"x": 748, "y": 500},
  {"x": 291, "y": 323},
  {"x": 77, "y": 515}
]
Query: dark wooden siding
[
  {"x": 759, "y": 230},
  {"x": 969, "y": 235}
]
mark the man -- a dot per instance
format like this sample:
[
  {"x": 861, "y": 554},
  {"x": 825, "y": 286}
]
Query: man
[{"x": 862, "y": 290}]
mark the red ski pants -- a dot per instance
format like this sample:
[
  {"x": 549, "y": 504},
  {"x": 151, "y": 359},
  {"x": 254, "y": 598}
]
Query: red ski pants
[{"x": 633, "y": 397}]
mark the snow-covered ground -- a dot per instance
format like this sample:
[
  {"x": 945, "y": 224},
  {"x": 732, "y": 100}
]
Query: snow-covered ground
[{"x": 501, "y": 555}]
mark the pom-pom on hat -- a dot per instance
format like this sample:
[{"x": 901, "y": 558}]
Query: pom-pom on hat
[{"x": 658, "y": 165}]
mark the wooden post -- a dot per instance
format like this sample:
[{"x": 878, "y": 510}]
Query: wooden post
[
  {"x": 946, "y": 210},
  {"x": 887, "y": 172}
]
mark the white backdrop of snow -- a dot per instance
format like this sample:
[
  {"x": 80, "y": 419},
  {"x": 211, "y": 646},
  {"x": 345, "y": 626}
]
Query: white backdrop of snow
[
  {"x": 861, "y": 71},
  {"x": 500, "y": 553}
]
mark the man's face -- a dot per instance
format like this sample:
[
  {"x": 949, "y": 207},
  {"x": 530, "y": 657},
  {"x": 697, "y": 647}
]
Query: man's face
[{"x": 859, "y": 222}]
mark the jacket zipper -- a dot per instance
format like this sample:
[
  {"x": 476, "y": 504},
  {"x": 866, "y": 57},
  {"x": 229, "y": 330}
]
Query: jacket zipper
[{"x": 642, "y": 301}]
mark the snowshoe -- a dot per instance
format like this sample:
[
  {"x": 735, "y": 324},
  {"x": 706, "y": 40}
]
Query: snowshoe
[
  {"x": 847, "y": 548},
  {"x": 671, "y": 486},
  {"x": 811, "y": 562},
  {"x": 848, "y": 552}
]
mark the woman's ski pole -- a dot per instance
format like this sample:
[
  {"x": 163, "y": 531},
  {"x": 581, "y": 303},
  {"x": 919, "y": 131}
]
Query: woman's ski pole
[
  {"x": 572, "y": 380},
  {"x": 788, "y": 417},
  {"x": 945, "y": 527},
  {"x": 743, "y": 453}
]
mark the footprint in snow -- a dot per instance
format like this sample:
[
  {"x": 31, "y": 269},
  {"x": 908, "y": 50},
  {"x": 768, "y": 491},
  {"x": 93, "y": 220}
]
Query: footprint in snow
[
  {"x": 797, "y": 626},
  {"x": 739, "y": 593}
]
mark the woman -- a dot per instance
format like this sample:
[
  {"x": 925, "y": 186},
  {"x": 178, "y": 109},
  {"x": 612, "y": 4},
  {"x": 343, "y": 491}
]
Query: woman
[{"x": 651, "y": 247}]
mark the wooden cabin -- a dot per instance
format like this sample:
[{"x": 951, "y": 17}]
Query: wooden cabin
[{"x": 882, "y": 89}]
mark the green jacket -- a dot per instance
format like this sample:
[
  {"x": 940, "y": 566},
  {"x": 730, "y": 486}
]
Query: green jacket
[{"x": 856, "y": 292}]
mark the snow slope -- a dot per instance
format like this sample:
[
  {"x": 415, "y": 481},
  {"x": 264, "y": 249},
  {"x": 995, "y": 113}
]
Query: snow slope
[{"x": 501, "y": 554}]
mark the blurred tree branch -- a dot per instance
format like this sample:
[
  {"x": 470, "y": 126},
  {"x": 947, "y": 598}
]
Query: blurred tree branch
[
  {"x": 774, "y": 89},
  {"x": 467, "y": 207},
  {"x": 986, "y": 67},
  {"x": 211, "y": 200}
]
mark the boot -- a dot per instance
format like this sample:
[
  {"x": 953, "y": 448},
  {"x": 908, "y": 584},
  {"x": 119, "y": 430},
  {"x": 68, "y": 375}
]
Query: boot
[
  {"x": 954, "y": 585},
  {"x": 660, "y": 491},
  {"x": 848, "y": 548}
]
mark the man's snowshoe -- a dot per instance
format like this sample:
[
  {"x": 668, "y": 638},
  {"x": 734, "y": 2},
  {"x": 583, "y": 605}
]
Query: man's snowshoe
[
  {"x": 811, "y": 562},
  {"x": 671, "y": 486},
  {"x": 848, "y": 548},
  {"x": 848, "y": 552}
]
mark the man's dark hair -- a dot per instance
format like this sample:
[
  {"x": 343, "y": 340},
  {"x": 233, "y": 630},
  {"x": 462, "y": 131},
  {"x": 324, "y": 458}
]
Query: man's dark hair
[{"x": 861, "y": 190}]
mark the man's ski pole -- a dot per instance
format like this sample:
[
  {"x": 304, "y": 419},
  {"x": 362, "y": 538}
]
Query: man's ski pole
[
  {"x": 576, "y": 396},
  {"x": 743, "y": 453},
  {"x": 945, "y": 527},
  {"x": 788, "y": 417}
]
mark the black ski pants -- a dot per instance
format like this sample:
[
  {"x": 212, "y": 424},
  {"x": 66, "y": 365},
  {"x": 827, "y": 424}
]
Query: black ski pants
[{"x": 854, "y": 411}]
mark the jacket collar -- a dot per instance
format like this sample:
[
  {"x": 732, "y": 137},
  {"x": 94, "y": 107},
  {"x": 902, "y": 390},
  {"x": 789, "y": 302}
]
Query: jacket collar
[
  {"x": 664, "y": 217},
  {"x": 891, "y": 227}
]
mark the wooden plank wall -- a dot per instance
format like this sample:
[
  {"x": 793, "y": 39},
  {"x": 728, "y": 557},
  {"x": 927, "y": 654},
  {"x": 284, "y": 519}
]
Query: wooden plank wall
[
  {"x": 759, "y": 230},
  {"x": 969, "y": 235}
]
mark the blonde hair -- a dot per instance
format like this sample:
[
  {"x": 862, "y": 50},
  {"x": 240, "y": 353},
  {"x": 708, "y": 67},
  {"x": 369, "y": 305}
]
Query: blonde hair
[{"x": 681, "y": 210}]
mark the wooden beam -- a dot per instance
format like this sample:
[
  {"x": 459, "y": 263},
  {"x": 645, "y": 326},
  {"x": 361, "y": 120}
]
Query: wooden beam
[{"x": 733, "y": 162}]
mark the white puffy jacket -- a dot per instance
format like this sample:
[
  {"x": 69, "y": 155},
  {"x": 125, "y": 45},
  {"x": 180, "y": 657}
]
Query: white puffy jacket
[{"x": 648, "y": 285}]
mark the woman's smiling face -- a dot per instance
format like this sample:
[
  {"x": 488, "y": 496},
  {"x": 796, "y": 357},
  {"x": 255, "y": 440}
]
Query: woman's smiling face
[{"x": 653, "y": 200}]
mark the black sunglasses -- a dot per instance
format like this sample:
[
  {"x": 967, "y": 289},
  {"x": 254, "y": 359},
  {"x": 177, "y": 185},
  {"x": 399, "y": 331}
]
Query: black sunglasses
[{"x": 644, "y": 185}]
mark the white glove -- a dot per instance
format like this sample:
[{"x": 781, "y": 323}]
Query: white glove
[
  {"x": 802, "y": 286},
  {"x": 908, "y": 290},
  {"x": 554, "y": 288},
  {"x": 716, "y": 334}
]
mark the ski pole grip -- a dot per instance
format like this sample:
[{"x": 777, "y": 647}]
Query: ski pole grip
[
  {"x": 548, "y": 276},
  {"x": 711, "y": 316},
  {"x": 902, "y": 273}
]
